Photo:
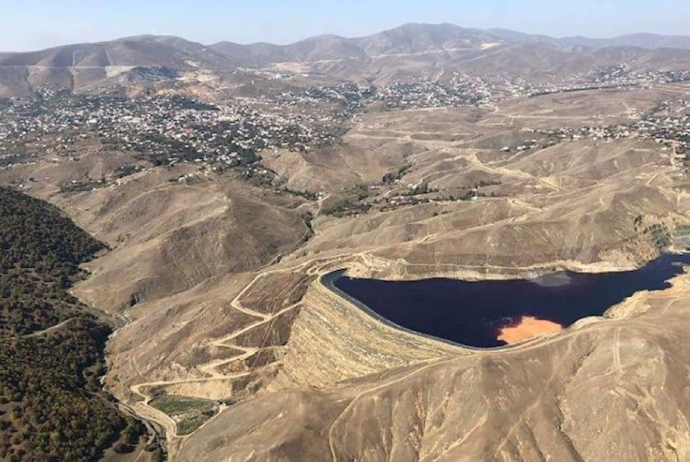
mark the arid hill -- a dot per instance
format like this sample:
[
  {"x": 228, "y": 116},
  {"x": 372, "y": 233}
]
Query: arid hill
[
  {"x": 83, "y": 67},
  {"x": 216, "y": 282},
  {"x": 606, "y": 390},
  {"x": 420, "y": 152},
  {"x": 403, "y": 53}
]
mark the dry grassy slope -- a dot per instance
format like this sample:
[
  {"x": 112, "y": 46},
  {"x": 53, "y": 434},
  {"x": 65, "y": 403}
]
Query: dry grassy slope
[
  {"x": 184, "y": 251},
  {"x": 171, "y": 336},
  {"x": 452, "y": 124},
  {"x": 610, "y": 390},
  {"x": 335, "y": 168},
  {"x": 170, "y": 237},
  {"x": 580, "y": 208},
  {"x": 577, "y": 109},
  {"x": 213, "y": 324},
  {"x": 51, "y": 172},
  {"x": 81, "y": 67},
  {"x": 591, "y": 162}
]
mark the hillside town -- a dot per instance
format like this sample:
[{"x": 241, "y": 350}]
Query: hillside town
[
  {"x": 162, "y": 130},
  {"x": 609, "y": 78},
  {"x": 464, "y": 90},
  {"x": 173, "y": 129},
  {"x": 667, "y": 125}
]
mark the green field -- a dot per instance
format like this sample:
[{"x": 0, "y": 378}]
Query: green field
[
  {"x": 176, "y": 406},
  {"x": 188, "y": 413}
]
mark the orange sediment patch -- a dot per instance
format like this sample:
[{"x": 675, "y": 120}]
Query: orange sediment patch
[{"x": 527, "y": 328}]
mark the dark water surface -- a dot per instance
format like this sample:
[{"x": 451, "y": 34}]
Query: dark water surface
[{"x": 472, "y": 313}]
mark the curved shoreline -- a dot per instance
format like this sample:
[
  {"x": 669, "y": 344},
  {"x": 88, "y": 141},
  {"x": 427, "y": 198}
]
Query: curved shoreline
[{"x": 328, "y": 281}]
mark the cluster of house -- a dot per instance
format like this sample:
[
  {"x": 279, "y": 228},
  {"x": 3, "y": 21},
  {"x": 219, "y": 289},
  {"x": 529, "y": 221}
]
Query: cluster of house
[
  {"x": 162, "y": 129},
  {"x": 466, "y": 90},
  {"x": 347, "y": 97},
  {"x": 460, "y": 90},
  {"x": 610, "y": 78},
  {"x": 661, "y": 126},
  {"x": 171, "y": 129}
]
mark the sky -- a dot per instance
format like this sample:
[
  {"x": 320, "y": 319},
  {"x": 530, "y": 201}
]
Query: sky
[{"x": 35, "y": 24}]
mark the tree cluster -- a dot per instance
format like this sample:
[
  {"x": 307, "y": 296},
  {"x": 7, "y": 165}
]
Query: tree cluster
[{"x": 52, "y": 406}]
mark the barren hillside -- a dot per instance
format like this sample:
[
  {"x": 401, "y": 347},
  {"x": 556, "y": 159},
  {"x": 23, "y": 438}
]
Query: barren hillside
[{"x": 227, "y": 180}]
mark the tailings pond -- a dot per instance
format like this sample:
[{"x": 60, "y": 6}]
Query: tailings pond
[{"x": 477, "y": 313}]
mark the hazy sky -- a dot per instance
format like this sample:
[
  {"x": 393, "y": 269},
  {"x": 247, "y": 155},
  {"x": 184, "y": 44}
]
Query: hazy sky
[{"x": 34, "y": 24}]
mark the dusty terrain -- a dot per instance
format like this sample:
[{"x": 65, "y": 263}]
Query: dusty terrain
[
  {"x": 216, "y": 285},
  {"x": 608, "y": 389}
]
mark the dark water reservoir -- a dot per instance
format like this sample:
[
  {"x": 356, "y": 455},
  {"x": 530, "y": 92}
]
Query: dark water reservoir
[{"x": 473, "y": 313}]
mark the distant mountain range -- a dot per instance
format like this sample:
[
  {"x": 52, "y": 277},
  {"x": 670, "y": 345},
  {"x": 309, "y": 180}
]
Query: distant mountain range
[
  {"x": 86, "y": 66},
  {"x": 423, "y": 38}
]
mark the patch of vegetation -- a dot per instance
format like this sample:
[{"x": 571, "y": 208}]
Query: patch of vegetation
[
  {"x": 81, "y": 186},
  {"x": 360, "y": 191},
  {"x": 179, "y": 405},
  {"x": 392, "y": 178},
  {"x": 467, "y": 196},
  {"x": 661, "y": 237},
  {"x": 682, "y": 231},
  {"x": 52, "y": 406},
  {"x": 353, "y": 203},
  {"x": 182, "y": 102},
  {"x": 346, "y": 208},
  {"x": 485, "y": 183},
  {"x": 188, "y": 426},
  {"x": 189, "y": 413},
  {"x": 127, "y": 170},
  {"x": 419, "y": 190},
  {"x": 308, "y": 195},
  {"x": 40, "y": 253}
]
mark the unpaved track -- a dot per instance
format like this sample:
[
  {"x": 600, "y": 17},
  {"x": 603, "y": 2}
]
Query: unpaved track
[
  {"x": 146, "y": 411},
  {"x": 313, "y": 267}
]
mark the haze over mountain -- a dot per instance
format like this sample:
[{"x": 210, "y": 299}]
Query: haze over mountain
[
  {"x": 425, "y": 38},
  {"x": 86, "y": 66}
]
